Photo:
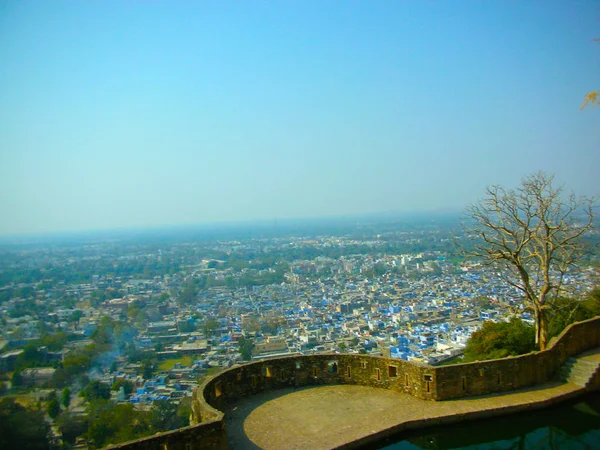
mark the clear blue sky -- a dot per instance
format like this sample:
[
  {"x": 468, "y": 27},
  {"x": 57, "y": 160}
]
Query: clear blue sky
[{"x": 143, "y": 113}]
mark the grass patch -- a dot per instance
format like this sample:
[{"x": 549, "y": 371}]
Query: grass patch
[{"x": 168, "y": 364}]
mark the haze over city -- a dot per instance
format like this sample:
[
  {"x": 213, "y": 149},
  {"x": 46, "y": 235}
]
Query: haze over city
[{"x": 138, "y": 114}]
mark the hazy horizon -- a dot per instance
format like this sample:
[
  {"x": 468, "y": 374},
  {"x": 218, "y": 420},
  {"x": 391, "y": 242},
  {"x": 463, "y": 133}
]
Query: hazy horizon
[
  {"x": 220, "y": 230},
  {"x": 148, "y": 114}
]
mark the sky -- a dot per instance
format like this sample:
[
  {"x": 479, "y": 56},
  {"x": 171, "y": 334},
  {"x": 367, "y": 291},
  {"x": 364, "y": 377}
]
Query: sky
[{"x": 124, "y": 114}]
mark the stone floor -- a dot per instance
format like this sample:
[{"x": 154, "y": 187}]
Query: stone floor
[{"x": 326, "y": 417}]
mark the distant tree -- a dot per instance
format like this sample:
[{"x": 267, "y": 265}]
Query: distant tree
[
  {"x": 22, "y": 427},
  {"x": 54, "y": 342},
  {"x": 75, "y": 316},
  {"x": 246, "y": 347},
  {"x": 96, "y": 390},
  {"x": 77, "y": 362},
  {"x": 482, "y": 302},
  {"x": 592, "y": 302},
  {"x": 272, "y": 325},
  {"x": 565, "y": 311},
  {"x": 147, "y": 369},
  {"x": 17, "y": 379},
  {"x": 111, "y": 335},
  {"x": 53, "y": 408},
  {"x": 184, "y": 411},
  {"x": 499, "y": 340},
  {"x": 534, "y": 233},
  {"x": 210, "y": 325},
  {"x": 112, "y": 424},
  {"x": 164, "y": 416},
  {"x": 186, "y": 326},
  {"x": 71, "y": 426},
  {"x": 188, "y": 295},
  {"x": 65, "y": 398},
  {"x": 30, "y": 357},
  {"x": 127, "y": 385}
]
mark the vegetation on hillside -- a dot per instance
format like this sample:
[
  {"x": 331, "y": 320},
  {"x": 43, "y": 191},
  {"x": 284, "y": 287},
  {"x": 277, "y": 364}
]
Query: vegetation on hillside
[{"x": 501, "y": 339}]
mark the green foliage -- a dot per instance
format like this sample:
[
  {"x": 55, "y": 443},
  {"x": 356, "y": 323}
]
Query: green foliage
[
  {"x": 246, "y": 347},
  {"x": 21, "y": 427},
  {"x": 134, "y": 354},
  {"x": 138, "y": 317},
  {"x": 53, "y": 408},
  {"x": 54, "y": 342},
  {"x": 17, "y": 379},
  {"x": 127, "y": 385},
  {"x": 184, "y": 411},
  {"x": 147, "y": 369},
  {"x": 112, "y": 424},
  {"x": 186, "y": 326},
  {"x": 189, "y": 293},
  {"x": 71, "y": 426},
  {"x": 30, "y": 357},
  {"x": 111, "y": 334},
  {"x": 65, "y": 398},
  {"x": 209, "y": 326},
  {"x": 74, "y": 365},
  {"x": 565, "y": 311},
  {"x": 272, "y": 325},
  {"x": 499, "y": 340},
  {"x": 592, "y": 302},
  {"x": 96, "y": 390},
  {"x": 164, "y": 416}
]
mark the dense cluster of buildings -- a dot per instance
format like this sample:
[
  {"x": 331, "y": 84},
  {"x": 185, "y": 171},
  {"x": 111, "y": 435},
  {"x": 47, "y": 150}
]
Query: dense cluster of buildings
[{"x": 412, "y": 306}]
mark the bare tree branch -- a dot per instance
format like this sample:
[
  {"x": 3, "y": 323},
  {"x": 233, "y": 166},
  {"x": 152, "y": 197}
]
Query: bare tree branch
[{"x": 535, "y": 234}]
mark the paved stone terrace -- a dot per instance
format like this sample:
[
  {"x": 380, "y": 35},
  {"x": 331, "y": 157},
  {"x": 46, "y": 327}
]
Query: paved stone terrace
[
  {"x": 347, "y": 416},
  {"x": 327, "y": 417}
]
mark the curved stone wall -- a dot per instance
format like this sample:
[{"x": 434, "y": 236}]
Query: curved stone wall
[
  {"x": 295, "y": 371},
  {"x": 422, "y": 381},
  {"x": 485, "y": 377}
]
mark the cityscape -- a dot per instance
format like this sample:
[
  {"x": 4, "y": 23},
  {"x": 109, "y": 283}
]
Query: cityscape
[
  {"x": 181, "y": 307},
  {"x": 291, "y": 225}
]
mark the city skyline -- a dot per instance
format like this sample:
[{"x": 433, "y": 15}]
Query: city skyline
[{"x": 126, "y": 115}]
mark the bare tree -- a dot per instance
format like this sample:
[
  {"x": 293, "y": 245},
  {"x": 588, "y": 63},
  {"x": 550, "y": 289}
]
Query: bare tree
[{"x": 534, "y": 233}]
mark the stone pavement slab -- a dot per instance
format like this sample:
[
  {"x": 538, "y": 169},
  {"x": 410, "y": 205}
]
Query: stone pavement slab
[{"x": 327, "y": 417}]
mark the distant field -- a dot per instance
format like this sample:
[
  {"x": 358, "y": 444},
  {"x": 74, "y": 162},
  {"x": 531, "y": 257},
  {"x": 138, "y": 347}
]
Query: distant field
[{"x": 168, "y": 364}]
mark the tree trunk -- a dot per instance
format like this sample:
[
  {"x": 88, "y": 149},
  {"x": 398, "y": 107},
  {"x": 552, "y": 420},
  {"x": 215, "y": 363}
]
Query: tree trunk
[{"x": 541, "y": 328}]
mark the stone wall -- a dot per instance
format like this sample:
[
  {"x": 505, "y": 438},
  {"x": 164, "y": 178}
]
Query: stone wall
[
  {"x": 464, "y": 380},
  {"x": 422, "y": 381},
  {"x": 210, "y": 436},
  {"x": 296, "y": 371}
]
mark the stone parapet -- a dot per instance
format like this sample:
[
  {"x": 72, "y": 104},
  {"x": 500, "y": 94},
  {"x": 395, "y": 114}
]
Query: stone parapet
[{"x": 422, "y": 381}]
